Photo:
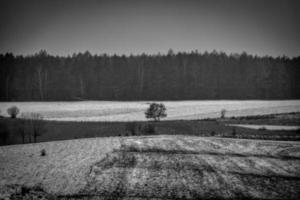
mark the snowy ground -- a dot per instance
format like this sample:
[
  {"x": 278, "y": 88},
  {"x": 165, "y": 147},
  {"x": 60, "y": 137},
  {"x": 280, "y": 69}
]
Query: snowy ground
[
  {"x": 161, "y": 167},
  {"x": 134, "y": 111},
  {"x": 268, "y": 127}
]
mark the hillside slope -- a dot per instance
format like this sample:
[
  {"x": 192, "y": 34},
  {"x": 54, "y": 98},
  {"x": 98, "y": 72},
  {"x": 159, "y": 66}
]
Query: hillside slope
[{"x": 157, "y": 167}]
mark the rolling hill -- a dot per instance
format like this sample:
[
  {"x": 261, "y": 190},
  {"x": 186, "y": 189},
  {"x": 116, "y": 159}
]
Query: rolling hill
[{"x": 152, "y": 167}]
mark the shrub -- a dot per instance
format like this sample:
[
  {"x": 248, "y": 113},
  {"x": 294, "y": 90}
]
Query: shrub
[
  {"x": 13, "y": 111},
  {"x": 208, "y": 119},
  {"x": 223, "y": 112},
  {"x": 43, "y": 152},
  {"x": 262, "y": 129}
]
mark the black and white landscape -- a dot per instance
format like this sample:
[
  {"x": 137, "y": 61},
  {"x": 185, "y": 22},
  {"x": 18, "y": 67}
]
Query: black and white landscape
[{"x": 139, "y": 99}]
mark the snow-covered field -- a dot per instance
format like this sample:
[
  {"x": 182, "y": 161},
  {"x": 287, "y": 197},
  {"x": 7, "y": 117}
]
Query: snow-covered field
[
  {"x": 268, "y": 127},
  {"x": 158, "y": 167},
  {"x": 134, "y": 111}
]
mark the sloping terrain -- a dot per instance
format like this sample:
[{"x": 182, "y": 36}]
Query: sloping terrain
[{"x": 156, "y": 167}]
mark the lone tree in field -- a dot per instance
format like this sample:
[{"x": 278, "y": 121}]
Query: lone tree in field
[
  {"x": 13, "y": 111},
  {"x": 156, "y": 111}
]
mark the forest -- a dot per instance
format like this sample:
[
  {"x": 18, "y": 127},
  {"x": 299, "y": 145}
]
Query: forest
[{"x": 171, "y": 76}]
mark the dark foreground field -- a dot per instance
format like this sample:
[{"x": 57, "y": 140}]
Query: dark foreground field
[
  {"x": 151, "y": 167},
  {"x": 54, "y": 130}
]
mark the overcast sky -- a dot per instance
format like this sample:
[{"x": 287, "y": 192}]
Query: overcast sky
[{"x": 262, "y": 27}]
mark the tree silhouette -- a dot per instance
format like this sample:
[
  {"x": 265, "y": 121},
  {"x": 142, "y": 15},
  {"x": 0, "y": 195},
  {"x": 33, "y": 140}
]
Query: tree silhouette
[
  {"x": 156, "y": 111},
  {"x": 13, "y": 111},
  {"x": 170, "y": 76}
]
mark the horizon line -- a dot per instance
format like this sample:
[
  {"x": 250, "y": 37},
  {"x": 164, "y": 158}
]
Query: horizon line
[{"x": 159, "y": 53}]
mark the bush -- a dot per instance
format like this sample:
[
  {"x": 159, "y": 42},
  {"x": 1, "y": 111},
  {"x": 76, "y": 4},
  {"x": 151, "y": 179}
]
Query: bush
[
  {"x": 223, "y": 112},
  {"x": 43, "y": 152},
  {"x": 13, "y": 111},
  {"x": 262, "y": 129},
  {"x": 208, "y": 119}
]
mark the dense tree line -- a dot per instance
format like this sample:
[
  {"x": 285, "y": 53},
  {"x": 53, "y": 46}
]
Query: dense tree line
[{"x": 82, "y": 76}]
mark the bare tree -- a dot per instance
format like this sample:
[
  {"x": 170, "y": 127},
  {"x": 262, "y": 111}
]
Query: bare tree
[
  {"x": 7, "y": 80},
  {"x": 81, "y": 87},
  {"x": 40, "y": 81},
  {"x": 141, "y": 76},
  {"x": 24, "y": 128},
  {"x": 37, "y": 124},
  {"x": 33, "y": 126}
]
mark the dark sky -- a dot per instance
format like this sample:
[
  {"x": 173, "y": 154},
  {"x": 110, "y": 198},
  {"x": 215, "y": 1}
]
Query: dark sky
[{"x": 135, "y": 26}]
